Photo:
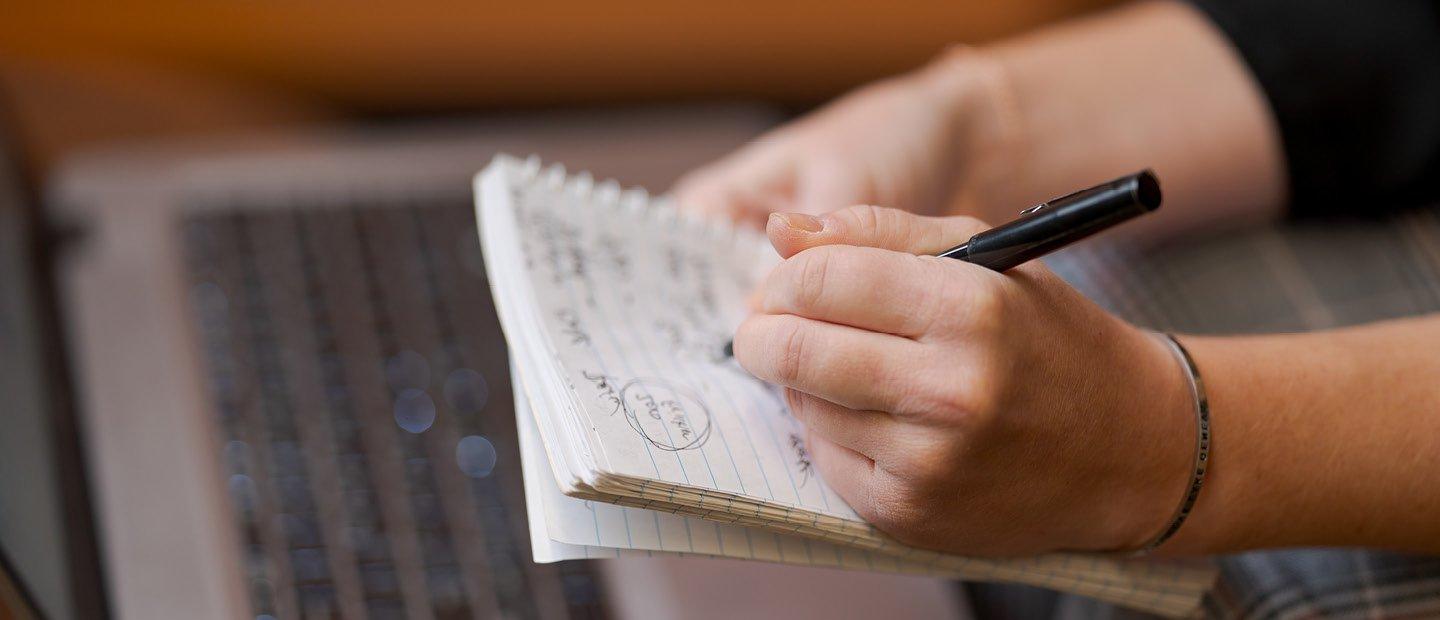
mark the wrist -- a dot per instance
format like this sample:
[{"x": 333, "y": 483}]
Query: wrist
[
  {"x": 1159, "y": 463},
  {"x": 1232, "y": 510},
  {"x": 1316, "y": 441}
]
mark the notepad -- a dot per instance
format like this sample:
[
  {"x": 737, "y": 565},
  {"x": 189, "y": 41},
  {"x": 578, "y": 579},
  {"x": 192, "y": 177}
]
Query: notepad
[{"x": 639, "y": 436}]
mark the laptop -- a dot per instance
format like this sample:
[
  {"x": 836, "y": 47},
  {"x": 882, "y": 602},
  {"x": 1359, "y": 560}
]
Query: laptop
[
  {"x": 48, "y": 555},
  {"x": 291, "y": 392}
]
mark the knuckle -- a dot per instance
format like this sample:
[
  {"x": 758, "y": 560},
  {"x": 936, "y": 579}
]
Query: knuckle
[
  {"x": 895, "y": 507},
  {"x": 866, "y": 217},
  {"x": 881, "y": 226},
  {"x": 790, "y": 351},
  {"x": 934, "y": 304},
  {"x": 955, "y": 397},
  {"x": 812, "y": 270},
  {"x": 983, "y": 302},
  {"x": 985, "y": 297}
]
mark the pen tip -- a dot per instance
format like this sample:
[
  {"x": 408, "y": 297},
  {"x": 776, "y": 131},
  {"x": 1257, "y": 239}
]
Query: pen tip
[{"x": 729, "y": 350}]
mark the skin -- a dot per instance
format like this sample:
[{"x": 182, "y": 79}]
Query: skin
[{"x": 1005, "y": 414}]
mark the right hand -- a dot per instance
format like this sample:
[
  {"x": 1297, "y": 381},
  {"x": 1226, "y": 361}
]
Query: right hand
[
  {"x": 988, "y": 414},
  {"x": 909, "y": 142}
]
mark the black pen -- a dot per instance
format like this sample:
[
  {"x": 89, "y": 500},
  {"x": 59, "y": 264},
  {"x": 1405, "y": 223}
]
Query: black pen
[{"x": 1051, "y": 225}]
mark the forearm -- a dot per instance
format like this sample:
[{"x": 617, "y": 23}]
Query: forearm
[
  {"x": 1330, "y": 438},
  {"x": 1151, "y": 85}
]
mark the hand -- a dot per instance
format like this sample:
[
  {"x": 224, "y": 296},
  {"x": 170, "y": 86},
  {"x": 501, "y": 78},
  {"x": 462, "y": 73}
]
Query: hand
[
  {"x": 910, "y": 142},
  {"x": 960, "y": 409}
]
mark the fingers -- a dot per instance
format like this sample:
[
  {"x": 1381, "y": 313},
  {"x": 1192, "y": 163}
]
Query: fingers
[
  {"x": 847, "y": 366},
  {"x": 870, "y": 433},
  {"x": 847, "y": 472},
  {"x": 871, "y": 289},
  {"x": 869, "y": 226}
]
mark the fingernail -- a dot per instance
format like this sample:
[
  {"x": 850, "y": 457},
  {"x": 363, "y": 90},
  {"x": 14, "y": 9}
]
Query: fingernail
[{"x": 800, "y": 221}]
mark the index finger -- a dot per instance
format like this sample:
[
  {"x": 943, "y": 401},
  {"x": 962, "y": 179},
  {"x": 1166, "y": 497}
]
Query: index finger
[
  {"x": 869, "y": 288},
  {"x": 870, "y": 226}
]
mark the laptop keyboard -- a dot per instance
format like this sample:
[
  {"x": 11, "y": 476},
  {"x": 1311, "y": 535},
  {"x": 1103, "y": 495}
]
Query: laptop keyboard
[{"x": 362, "y": 392}]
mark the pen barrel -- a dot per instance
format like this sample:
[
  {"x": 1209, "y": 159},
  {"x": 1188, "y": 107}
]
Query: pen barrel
[{"x": 1065, "y": 220}]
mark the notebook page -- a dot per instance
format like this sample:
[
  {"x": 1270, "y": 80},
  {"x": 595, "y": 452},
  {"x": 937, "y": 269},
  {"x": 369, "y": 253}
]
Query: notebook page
[{"x": 640, "y": 303}]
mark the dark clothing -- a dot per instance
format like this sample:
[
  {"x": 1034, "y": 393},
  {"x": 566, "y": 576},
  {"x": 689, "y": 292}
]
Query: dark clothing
[{"x": 1355, "y": 88}]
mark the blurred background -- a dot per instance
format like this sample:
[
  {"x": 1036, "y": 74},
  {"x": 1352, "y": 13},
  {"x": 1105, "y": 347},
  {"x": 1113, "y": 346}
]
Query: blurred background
[
  {"x": 249, "y": 364},
  {"x": 217, "y": 330},
  {"x": 79, "y": 73}
]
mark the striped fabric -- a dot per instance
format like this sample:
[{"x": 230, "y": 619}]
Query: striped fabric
[{"x": 1296, "y": 277}]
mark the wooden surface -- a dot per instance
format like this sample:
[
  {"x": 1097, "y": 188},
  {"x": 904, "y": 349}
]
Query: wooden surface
[
  {"x": 475, "y": 52},
  {"x": 81, "y": 73},
  {"x": 57, "y": 106}
]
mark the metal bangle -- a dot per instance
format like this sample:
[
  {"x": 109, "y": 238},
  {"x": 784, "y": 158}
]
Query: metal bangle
[{"x": 1202, "y": 444}]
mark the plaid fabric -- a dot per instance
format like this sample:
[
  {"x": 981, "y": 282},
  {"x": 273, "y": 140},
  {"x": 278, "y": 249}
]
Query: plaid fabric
[{"x": 1297, "y": 277}]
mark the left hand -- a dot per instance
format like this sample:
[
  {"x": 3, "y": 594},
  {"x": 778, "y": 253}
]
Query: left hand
[{"x": 960, "y": 409}]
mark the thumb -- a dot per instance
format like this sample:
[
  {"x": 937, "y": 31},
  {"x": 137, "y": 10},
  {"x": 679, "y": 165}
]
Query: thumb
[{"x": 870, "y": 226}]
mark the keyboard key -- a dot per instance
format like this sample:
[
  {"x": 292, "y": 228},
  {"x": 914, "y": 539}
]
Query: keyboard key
[
  {"x": 367, "y": 544},
  {"x": 317, "y": 600},
  {"x": 428, "y": 513},
  {"x": 466, "y": 391},
  {"x": 435, "y": 547},
  {"x": 407, "y": 370},
  {"x": 294, "y": 494},
  {"x": 300, "y": 530},
  {"x": 446, "y": 588},
  {"x": 360, "y": 507},
  {"x": 385, "y": 609},
  {"x": 286, "y": 458},
  {"x": 309, "y": 565},
  {"x": 379, "y": 581}
]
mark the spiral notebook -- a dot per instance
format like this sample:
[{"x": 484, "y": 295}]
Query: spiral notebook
[{"x": 639, "y": 436}]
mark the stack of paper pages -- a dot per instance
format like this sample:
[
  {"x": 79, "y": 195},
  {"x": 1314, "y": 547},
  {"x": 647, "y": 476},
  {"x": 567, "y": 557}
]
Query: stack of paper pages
[{"x": 639, "y": 436}]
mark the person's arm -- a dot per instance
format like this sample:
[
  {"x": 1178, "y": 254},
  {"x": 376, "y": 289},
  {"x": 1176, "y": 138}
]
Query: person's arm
[
  {"x": 1329, "y": 438},
  {"x": 1152, "y": 85},
  {"x": 988, "y": 131}
]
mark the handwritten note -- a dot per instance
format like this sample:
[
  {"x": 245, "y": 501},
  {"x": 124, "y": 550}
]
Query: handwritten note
[{"x": 639, "y": 306}]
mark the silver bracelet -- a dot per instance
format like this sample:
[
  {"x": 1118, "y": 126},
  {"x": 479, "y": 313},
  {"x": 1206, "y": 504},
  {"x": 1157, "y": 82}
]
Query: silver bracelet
[{"x": 1202, "y": 444}]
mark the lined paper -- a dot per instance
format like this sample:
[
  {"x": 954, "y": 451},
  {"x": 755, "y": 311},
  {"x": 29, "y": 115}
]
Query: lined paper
[
  {"x": 574, "y": 528},
  {"x": 642, "y": 314}
]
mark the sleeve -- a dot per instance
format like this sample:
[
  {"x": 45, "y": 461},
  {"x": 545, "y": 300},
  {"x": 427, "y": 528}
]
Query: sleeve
[{"x": 1355, "y": 89}]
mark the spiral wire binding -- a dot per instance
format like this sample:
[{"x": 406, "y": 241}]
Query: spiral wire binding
[{"x": 634, "y": 201}]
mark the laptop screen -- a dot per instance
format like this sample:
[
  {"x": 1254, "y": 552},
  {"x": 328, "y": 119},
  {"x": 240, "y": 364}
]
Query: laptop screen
[{"x": 34, "y": 522}]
